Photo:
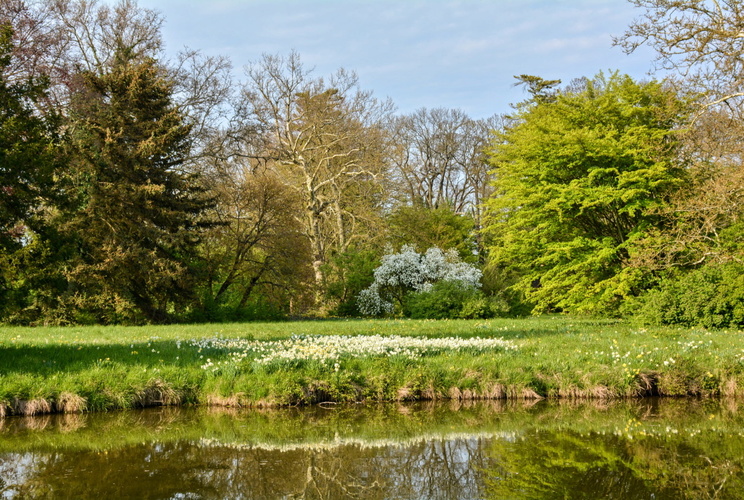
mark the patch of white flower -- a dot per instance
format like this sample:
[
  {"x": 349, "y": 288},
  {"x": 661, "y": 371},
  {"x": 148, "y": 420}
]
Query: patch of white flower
[
  {"x": 408, "y": 270},
  {"x": 331, "y": 349}
]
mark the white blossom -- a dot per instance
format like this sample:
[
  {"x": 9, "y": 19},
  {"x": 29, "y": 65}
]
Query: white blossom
[{"x": 408, "y": 270}]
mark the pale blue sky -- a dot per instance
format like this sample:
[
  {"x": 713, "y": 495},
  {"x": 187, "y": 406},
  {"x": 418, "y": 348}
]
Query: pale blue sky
[{"x": 420, "y": 53}]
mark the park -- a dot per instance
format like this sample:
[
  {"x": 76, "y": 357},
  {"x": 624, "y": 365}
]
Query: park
[{"x": 269, "y": 282}]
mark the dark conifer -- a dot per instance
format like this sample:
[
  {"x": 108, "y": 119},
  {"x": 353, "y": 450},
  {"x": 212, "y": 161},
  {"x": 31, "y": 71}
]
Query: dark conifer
[{"x": 140, "y": 212}]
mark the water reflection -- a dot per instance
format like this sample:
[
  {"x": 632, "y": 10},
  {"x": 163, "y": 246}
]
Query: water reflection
[{"x": 629, "y": 449}]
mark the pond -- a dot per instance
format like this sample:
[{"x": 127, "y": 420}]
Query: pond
[{"x": 648, "y": 448}]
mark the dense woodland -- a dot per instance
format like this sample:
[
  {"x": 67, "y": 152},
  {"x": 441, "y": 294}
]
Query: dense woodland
[{"x": 140, "y": 189}]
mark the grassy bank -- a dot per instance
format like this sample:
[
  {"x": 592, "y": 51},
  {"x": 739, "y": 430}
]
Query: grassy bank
[{"x": 100, "y": 368}]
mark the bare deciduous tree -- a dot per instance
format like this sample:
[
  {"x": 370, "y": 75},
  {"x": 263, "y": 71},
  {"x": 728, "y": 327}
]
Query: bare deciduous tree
[
  {"x": 701, "y": 39},
  {"x": 324, "y": 139},
  {"x": 439, "y": 160},
  {"x": 702, "y": 42},
  {"x": 96, "y": 32},
  {"x": 34, "y": 35},
  {"x": 203, "y": 91}
]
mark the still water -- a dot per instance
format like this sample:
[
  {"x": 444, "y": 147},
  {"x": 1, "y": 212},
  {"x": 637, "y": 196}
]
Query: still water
[{"x": 651, "y": 449}]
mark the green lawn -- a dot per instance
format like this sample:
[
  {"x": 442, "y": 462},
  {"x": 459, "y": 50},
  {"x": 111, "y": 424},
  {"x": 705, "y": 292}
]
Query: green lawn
[{"x": 270, "y": 364}]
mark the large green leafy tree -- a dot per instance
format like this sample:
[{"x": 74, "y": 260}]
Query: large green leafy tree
[
  {"x": 23, "y": 141},
  {"x": 578, "y": 179},
  {"x": 140, "y": 212},
  {"x": 30, "y": 159}
]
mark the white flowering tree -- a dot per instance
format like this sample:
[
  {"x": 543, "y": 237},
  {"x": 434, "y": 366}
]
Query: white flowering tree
[{"x": 409, "y": 272}]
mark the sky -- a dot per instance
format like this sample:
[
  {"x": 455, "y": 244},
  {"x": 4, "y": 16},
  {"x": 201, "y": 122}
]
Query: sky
[{"x": 459, "y": 54}]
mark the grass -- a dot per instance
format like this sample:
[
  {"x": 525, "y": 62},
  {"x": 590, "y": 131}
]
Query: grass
[{"x": 72, "y": 369}]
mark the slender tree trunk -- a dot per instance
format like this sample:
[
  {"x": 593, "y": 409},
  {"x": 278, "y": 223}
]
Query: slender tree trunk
[
  {"x": 251, "y": 285},
  {"x": 317, "y": 247},
  {"x": 340, "y": 225}
]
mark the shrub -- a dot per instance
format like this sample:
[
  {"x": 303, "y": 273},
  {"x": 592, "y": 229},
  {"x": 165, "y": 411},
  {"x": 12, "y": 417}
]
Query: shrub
[
  {"x": 348, "y": 274},
  {"x": 259, "y": 308},
  {"x": 710, "y": 297},
  {"x": 481, "y": 307},
  {"x": 445, "y": 300},
  {"x": 403, "y": 273}
]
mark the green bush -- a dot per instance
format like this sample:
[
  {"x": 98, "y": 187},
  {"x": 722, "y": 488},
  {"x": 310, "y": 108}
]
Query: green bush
[
  {"x": 480, "y": 307},
  {"x": 448, "y": 300},
  {"x": 259, "y": 308},
  {"x": 348, "y": 274},
  {"x": 711, "y": 297}
]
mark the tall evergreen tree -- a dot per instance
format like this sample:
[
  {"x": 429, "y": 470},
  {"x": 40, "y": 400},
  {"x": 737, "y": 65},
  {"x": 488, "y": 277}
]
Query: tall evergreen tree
[{"x": 140, "y": 212}]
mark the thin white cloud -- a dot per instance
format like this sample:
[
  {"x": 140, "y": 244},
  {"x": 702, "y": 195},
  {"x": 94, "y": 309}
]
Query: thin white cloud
[{"x": 421, "y": 53}]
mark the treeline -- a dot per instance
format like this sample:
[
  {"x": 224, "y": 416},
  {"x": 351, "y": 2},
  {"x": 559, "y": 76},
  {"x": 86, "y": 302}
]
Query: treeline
[{"x": 137, "y": 189}]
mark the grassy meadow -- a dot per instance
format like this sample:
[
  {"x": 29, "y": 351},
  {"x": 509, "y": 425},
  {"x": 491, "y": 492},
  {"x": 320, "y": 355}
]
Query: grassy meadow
[{"x": 72, "y": 369}]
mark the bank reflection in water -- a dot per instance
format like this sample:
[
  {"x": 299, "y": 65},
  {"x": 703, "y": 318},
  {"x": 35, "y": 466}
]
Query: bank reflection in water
[{"x": 630, "y": 449}]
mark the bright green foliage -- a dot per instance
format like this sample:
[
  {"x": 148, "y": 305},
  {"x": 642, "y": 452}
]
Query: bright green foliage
[
  {"x": 139, "y": 216},
  {"x": 711, "y": 297},
  {"x": 577, "y": 180}
]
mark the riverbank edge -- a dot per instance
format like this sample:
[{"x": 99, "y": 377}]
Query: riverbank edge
[
  {"x": 94, "y": 369},
  {"x": 159, "y": 393}
]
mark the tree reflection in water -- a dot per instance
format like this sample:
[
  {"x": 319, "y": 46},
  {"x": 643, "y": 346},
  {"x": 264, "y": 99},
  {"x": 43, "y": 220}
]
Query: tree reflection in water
[{"x": 639, "y": 449}]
